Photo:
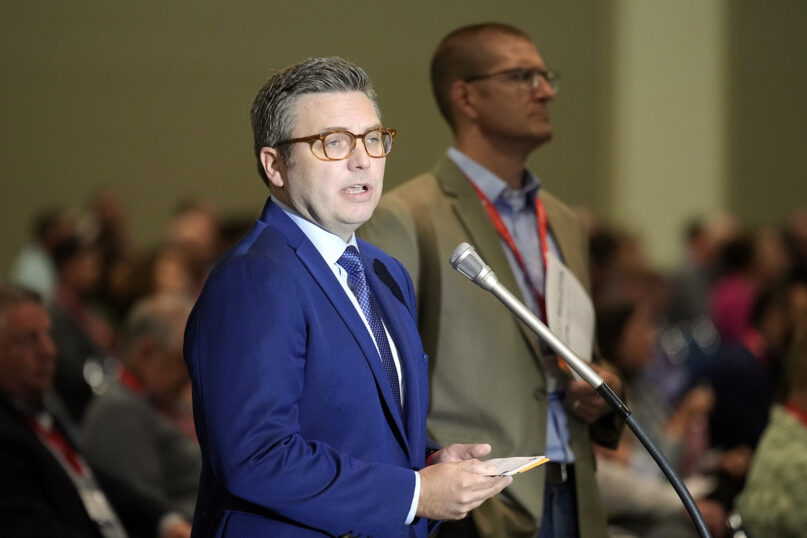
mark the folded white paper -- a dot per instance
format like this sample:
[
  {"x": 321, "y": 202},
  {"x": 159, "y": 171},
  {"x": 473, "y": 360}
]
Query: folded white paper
[{"x": 511, "y": 466}]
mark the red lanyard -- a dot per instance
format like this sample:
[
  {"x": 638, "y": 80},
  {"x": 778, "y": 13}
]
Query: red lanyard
[
  {"x": 58, "y": 442},
  {"x": 797, "y": 412},
  {"x": 129, "y": 380},
  {"x": 504, "y": 233}
]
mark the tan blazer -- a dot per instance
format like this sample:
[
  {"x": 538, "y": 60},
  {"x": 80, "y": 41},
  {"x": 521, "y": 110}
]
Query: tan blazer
[{"x": 486, "y": 378}]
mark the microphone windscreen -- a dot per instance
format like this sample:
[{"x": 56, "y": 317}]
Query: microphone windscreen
[{"x": 465, "y": 260}]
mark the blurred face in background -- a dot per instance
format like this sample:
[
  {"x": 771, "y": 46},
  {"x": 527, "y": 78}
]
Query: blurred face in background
[
  {"x": 82, "y": 271},
  {"x": 798, "y": 306},
  {"x": 27, "y": 353},
  {"x": 196, "y": 230},
  {"x": 172, "y": 272},
  {"x": 637, "y": 343},
  {"x": 160, "y": 366},
  {"x": 164, "y": 373}
]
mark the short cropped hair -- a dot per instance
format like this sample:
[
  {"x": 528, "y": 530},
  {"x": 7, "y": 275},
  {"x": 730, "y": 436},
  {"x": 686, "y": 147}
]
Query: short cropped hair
[
  {"x": 463, "y": 54},
  {"x": 272, "y": 112}
]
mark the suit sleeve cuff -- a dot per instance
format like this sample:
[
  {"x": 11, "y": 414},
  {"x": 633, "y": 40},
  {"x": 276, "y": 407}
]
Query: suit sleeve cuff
[{"x": 415, "y": 498}]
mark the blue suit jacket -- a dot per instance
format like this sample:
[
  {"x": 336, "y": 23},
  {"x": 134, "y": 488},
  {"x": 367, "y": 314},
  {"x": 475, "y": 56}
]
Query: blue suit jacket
[{"x": 299, "y": 431}]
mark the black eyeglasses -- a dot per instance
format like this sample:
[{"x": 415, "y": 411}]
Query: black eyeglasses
[
  {"x": 530, "y": 79},
  {"x": 339, "y": 145}
]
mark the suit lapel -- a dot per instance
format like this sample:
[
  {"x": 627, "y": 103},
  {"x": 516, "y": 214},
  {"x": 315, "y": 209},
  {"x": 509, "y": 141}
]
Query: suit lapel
[
  {"x": 473, "y": 217},
  {"x": 471, "y": 213},
  {"x": 324, "y": 277},
  {"x": 558, "y": 217},
  {"x": 394, "y": 315}
]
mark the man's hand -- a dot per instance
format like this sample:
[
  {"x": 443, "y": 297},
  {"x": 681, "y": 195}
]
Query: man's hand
[
  {"x": 451, "y": 490},
  {"x": 454, "y": 453},
  {"x": 584, "y": 402}
]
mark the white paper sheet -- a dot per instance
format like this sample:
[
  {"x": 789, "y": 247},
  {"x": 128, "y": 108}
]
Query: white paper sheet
[
  {"x": 570, "y": 312},
  {"x": 511, "y": 466}
]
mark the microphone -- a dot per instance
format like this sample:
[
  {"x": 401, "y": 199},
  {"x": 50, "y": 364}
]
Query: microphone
[{"x": 466, "y": 260}]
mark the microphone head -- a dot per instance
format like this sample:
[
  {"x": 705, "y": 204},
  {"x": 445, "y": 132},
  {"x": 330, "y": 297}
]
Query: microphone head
[
  {"x": 461, "y": 250},
  {"x": 465, "y": 260}
]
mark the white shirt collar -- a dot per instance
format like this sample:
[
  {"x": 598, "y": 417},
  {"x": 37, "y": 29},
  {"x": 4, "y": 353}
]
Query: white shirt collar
[
  {"x": 329, "y": 245},
  {"x": 491, "y": 185}
]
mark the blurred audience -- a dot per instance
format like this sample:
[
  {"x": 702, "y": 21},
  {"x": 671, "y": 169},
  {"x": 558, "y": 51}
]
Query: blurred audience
[
  {"x": 732, "y": 294},
  {"x": 169, "y": 268},
  {"x": 111, "y": 220},
  {"x": 746, "y": 372},
  {"x": 84, "y": 340},
  {"x": 796, "y": 238},
  {"x": 637, "y": 496},
  {"x": 772, "y": 261},
  {"x": 716, "y": 329},
  {"x": 34, "y": 267},
  {"x": 140, "y": 429},
  {"x": 108, "y": 221},
  {"x": 618, "y": 263},
  {"x": 233, "y": 228},
  {"x": 47, "y": 487},
  {"x": 772, "y": 502},
  {"x": 195, "y": 227},
  {"x": 701, "y": 349},
  {"x": 691, "y": 280},
  {"x": 797, "y": 298}
]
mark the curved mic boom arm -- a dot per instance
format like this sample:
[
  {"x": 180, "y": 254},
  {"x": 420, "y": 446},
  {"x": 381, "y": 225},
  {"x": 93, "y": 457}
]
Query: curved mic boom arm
[{"x": 466, "y": 260}]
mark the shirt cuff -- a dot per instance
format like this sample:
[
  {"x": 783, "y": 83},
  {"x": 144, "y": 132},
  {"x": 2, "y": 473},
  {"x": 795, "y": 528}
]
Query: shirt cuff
[{"x": 415, "y": 498}]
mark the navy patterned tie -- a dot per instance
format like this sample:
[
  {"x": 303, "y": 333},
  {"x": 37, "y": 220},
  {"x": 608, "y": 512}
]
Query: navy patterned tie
[{"x": 351, "y": 262}]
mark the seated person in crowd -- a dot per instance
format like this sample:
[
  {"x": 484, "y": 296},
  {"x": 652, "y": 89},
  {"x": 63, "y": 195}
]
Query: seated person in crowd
[
  {"x": 746, "y": 373},
  {"x": 134, "y": 430},
  {"x": 33, "y": 267},
  {"x": 772, "y": 502},
  {"x": 636, "y": 495},
  {"x": 83, "y": 339},
  {"x": 47, "y": 487}
]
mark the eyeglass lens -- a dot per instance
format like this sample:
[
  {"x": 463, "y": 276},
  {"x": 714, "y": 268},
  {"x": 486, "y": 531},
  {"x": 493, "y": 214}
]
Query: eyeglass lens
[
  {"x": 535, "y": 78},
  {"x": 340, "y": 144}
]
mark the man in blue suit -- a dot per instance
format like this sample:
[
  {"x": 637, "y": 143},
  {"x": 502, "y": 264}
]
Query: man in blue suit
[{"x": 309, "y": 378}]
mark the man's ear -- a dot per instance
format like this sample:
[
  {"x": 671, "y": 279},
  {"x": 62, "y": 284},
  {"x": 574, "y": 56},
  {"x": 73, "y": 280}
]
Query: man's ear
[
  {"x": 463, "y": 99},
  {"x": 273, "y": 166}
]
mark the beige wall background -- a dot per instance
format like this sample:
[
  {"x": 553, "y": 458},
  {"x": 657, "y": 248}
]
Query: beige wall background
[{"x": 666, "y": 109}]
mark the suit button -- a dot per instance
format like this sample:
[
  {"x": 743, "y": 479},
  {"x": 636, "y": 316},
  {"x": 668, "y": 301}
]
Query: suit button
[{"x": 539, "y": 394}]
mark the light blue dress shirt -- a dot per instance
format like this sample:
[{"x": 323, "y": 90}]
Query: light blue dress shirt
[{"x": 517, "y": 210}]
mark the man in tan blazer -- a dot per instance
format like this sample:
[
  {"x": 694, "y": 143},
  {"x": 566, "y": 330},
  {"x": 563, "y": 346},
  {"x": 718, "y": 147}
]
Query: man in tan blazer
[{"x": 490, "y": 377}]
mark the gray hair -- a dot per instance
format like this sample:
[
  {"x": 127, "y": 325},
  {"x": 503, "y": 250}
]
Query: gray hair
[
  {"x": 13, "y": 295},
  {"x": 273, "y": 113},
  {"x": 160, "y": 318}
]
